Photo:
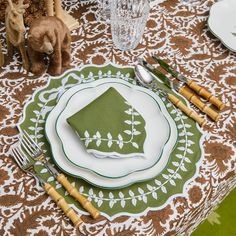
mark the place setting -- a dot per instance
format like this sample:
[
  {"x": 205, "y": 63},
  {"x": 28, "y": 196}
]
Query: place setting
[
  {"x": 122, "y": 145},
  {"x": 106, "y": 140}
]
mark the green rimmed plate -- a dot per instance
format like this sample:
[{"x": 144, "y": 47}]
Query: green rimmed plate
[{"x": 160, "y": 127}]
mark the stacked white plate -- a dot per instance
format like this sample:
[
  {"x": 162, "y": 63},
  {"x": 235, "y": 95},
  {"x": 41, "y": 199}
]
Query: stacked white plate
[
  {"x": 71, "y": 156},
  {"x": 222, "y": 22}
]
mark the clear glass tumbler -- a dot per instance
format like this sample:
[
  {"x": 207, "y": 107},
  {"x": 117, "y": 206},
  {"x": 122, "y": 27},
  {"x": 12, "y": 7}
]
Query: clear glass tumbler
[
  {"x": 128, "y": 21},
  {"x": 103, "y": 12}
]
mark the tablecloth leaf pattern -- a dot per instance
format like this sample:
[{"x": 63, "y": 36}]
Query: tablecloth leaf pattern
[{"x": 178, "y": 34}]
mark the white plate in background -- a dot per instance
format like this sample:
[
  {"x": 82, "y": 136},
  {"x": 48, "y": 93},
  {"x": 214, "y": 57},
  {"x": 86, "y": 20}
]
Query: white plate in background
[{"x": 222, "y": 22}]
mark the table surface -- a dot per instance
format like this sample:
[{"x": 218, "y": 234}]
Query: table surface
[{"x": 176, "y": 33}]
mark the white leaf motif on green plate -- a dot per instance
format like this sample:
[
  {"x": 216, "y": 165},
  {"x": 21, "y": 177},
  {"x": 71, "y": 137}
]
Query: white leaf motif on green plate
[
  {"x": 86, "y": 134},
  {"x": 134, "y": 201},
  {"x": 136, "y": 122},
  {"x": 100, "y": 202},
  {"x": 157, "y": 182},
  {"x": 120, "y": 137},
  {"x": 128, "y": 122},
  {"x": 100, "y": 194},
  {"x": 172, "y": 182},
  {"x": 165, "y": 176},
  {"x": 131, "y": 193},
  {"x": 121, "y": 144},
  {"x": 98, "y": 142},
  {"x": 135, "y": 145},
  {"x": 50, "y": 179},
  {"x": 121, "y": 195},
  {"x": 122, "y": 203},
  {"x": 87, "y": 141},
  {"x": 171, "y": 171},
  {"x": 98, "y": 135},
  {"x": 128, "y": 132},
  {"x": 44, "y": 171},
  {"x": 187, "y": 160},
  {"x": 136, "y": 132},
  {"x": 109, "y": 143},
  {"x": 154, "y": 195},
  {"x": 129, "y": 112},
  {"x": 149, "y": 187},
  {"x": 111, "y": 196},
  {"x": 58, "y": 186},
  {"x": 109, "y": 136},
  {"x": 182, "y": 167},
  {"x": 140, "y": 191},
  {"x": 163, "y": 189},
  {"x": 175, "y": 163},
  {"x": 189, "y": 151}
]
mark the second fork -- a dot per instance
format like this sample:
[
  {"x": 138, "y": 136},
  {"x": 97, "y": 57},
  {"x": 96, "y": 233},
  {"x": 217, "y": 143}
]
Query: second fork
[
  {"x": 28, "y": 166},
  {"x": 34, "y": 151}
]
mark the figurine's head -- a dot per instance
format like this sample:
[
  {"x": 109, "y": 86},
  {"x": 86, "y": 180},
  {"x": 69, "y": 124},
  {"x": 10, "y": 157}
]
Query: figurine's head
[
  {"x": 15, "y": 16},
  {"x": 43, "y": 42}
]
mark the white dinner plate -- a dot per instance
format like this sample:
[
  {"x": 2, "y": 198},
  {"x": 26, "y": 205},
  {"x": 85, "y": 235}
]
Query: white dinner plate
[
  {"x": 67, "y": 166},
  {"x": 157, "y": 127},
  {"x": 222, "y": 22}
]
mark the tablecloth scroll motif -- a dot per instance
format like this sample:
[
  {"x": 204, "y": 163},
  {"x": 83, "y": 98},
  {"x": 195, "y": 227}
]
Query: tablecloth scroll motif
[{"x": 176, "y": 33}]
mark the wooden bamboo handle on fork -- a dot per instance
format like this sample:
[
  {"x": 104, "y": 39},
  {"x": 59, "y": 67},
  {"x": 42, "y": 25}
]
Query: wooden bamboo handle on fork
[
  {"x": 207, "y": 95},
  {"x": 85, "y": 203},
  {"x": 192, "y": 114},
  {"x": 187, "y": 93},
  {"x": 61, "y": 202}
]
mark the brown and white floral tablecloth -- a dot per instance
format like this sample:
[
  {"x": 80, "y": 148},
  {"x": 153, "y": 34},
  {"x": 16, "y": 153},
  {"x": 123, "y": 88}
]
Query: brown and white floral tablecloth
[{"x": 176, "y": 33}]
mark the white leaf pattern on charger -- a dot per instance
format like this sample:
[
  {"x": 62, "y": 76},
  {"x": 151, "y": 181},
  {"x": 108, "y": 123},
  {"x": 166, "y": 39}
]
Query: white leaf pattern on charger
[{"x": 134, "y": 198}]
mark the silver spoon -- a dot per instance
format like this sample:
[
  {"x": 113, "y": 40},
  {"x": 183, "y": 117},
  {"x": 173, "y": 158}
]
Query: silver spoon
[
  {"x": 143, "y": 76},
  {"x": 146, "y": 80}
]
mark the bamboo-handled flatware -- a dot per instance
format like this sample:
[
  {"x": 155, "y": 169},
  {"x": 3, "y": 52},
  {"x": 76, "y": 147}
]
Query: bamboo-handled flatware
[
  {"x": 146, "y": 79},
  {"x": 28, "y": 166},
  {"x": 183, "y": 90},
  {"x": 35, "y": 152},
  {"x": 192, "y": 84}
]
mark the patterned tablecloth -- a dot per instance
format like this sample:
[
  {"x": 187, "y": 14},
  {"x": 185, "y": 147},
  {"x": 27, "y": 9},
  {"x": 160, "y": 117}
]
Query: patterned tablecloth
[{"x": 176, "y": 33}]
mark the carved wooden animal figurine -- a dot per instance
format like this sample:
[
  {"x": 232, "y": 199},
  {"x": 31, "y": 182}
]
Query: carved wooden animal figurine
[
  {"x": 49, "y": 36},
  {"x": 15, "y": 29},
  {"x": 1, "y": 56}
]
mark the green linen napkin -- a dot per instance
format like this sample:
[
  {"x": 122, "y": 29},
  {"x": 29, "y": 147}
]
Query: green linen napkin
[{"x": 110, "y": 126}]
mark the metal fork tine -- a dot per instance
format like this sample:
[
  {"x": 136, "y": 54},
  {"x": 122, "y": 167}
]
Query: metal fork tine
[
  {"x": 26, "y": 147},
  {"x": 31, "y": 140},
  {"x": 16, "y": 158},
  {"x": 28, "y": 144},
  {"x": 23, "y": 156},
  {"x": 19, "y": 157}
]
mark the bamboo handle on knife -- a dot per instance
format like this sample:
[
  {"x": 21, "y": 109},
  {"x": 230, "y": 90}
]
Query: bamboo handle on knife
[
  {"x": 86, "y": 204},
  {"x": 187, "y": 93},
  {"x": 207, "y": 95},
  {"x": 61, "y": 202},
  {"x": 192, "y": 114}
]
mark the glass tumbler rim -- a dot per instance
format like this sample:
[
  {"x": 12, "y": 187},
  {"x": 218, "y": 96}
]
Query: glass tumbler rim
[{"x": 145, "y": 12}]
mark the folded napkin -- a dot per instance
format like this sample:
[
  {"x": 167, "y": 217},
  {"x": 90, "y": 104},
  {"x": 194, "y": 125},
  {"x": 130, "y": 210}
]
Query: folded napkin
[{"x": 110, "y": 127}]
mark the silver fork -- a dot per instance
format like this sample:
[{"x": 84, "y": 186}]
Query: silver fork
[
  {"x": 34, "y": 151},
  {"x": 28, "y": 166}
]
